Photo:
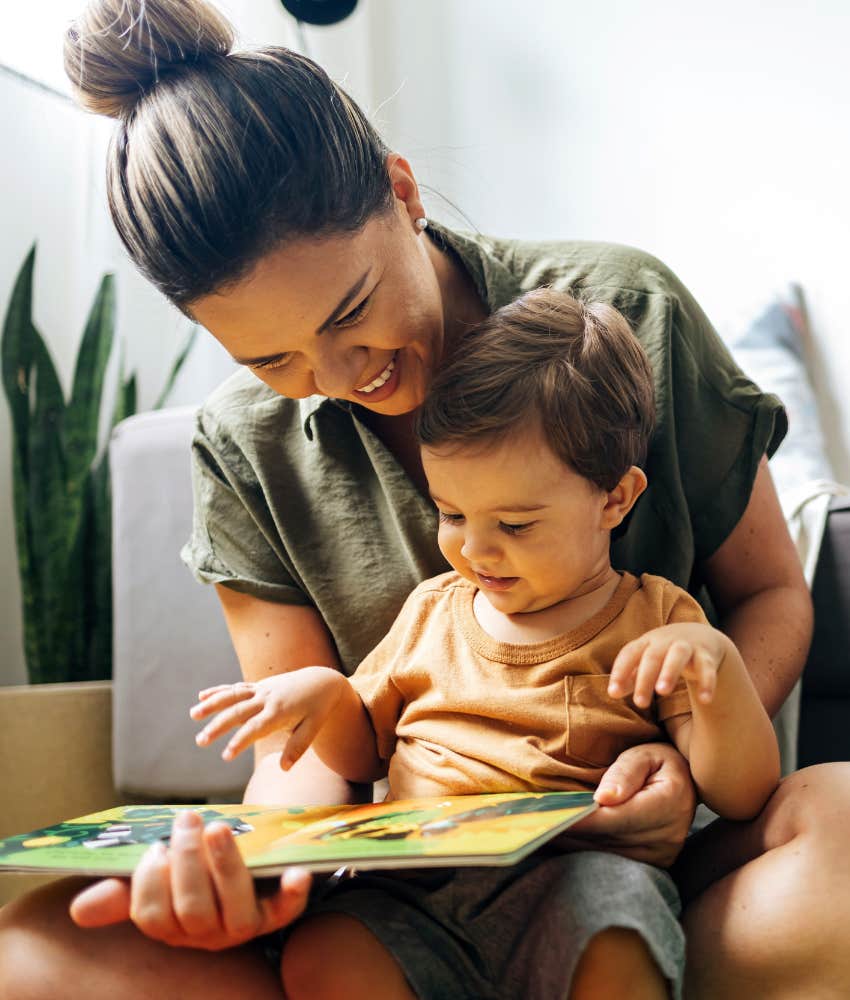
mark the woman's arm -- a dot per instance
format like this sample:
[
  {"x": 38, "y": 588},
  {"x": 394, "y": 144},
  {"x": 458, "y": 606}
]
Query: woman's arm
[
  {"x": 274, "y": 638},
  {"x": 756, "y": 582}
]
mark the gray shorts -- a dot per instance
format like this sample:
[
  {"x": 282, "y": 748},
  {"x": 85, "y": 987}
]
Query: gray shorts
[{"x": 512, "y": 933}]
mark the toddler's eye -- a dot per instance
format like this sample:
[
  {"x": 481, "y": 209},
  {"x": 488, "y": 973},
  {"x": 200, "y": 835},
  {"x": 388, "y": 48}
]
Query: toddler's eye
[
  {"x": 450, "y": 518},
  {"x": 516, "y": 529}
]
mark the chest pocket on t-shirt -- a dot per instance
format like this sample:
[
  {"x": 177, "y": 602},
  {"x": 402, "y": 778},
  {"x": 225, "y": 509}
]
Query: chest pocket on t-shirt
[{"x": 599, "y": 727}]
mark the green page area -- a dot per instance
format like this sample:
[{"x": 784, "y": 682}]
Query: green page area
[{"x": 471, "y": 829}]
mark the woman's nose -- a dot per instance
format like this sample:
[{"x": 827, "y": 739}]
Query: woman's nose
[{"x": 336, "y": 370}]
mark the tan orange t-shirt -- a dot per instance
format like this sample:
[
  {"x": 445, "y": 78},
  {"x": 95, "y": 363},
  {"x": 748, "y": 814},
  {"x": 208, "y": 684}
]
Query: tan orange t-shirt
[{"x": 458, "y": 712}]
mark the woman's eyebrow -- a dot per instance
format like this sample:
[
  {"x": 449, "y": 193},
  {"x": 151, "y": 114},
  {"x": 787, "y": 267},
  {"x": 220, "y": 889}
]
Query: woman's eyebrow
[
  {"x": 345, "y": 301},
  {"x": 342, "y": 305}
]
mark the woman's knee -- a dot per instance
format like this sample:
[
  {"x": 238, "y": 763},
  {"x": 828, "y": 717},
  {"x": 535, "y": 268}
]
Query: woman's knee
[
  {"x": 811, "y": 803},
  {"x": 28, "y": 926}
]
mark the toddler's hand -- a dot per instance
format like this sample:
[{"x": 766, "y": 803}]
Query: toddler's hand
[
  {"x": 654, "y": 662},
  {"x": 297, "y": 703}
]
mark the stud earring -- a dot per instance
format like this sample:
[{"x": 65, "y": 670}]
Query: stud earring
[{"x": 421, "y": 223}]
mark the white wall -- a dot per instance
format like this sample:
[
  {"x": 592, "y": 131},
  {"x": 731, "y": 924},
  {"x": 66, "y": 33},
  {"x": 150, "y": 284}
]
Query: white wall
[
  {"x": 713, "y": 136},
  {"x": 52, "y": 193}
]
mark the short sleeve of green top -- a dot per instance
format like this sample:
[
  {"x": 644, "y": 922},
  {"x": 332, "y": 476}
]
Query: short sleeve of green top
[{"x": 297, "y": 501}]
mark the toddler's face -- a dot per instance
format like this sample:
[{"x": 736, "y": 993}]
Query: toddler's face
[{"x": 518, "y": 523}]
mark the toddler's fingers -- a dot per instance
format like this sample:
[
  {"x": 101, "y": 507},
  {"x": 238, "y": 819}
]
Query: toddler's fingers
[
  {"x": 227, "y": 720},
  {"x": 227, "y": 695},
  {"x": 300, "y": 738},
  {"x": 202, "y": 695},
  {"x": 706, "y": 675},
  {"x": 677, "y": 658},
  {"x": 624, "y": 668},
  {"x": 262, "y": 724},
  {"x": 647, "y": 675}
]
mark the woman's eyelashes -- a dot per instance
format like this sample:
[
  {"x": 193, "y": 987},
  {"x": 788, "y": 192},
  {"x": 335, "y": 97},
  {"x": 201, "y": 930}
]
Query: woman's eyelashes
[
  {"x": 356, "y": 314},
  {"x": 351, "y": 318},
  {"x": 272, "y": 364}
]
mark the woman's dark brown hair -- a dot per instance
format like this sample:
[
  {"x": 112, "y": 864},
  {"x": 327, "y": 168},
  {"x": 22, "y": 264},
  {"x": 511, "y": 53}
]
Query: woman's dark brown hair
[
  {"x": 576, "y": 369},
  {"x": 218, "y": 156}
]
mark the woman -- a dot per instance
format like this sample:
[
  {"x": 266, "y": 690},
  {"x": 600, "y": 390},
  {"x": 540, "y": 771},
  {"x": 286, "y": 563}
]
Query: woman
[{"x": 253, "y": 193}]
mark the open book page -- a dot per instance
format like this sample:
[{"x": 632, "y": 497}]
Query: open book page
[{"x": 492, "y": 829}]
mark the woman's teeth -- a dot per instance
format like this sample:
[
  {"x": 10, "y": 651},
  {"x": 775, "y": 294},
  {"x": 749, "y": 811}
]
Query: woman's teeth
[{"x": 380, "y": 380}]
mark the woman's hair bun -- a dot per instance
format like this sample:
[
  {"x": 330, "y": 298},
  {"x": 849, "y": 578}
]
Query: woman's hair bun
[{"x": 116, "y": 50}]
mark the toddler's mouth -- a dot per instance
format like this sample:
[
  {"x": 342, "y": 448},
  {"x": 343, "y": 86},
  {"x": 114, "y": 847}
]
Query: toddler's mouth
[{"x": 496, "y": 582}]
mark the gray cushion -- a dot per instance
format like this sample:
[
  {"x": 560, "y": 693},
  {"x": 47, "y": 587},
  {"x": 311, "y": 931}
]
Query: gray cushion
[{"x": 170, "y": 639}]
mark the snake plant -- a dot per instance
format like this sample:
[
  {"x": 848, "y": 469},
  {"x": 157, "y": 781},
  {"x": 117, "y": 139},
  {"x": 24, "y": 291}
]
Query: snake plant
[{"x": 60, "y": 481}]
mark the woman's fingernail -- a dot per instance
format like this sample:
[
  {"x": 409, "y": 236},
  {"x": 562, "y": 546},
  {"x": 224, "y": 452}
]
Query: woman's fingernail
[
  {"x": 186, "y": 819},
  {"x": 218, "y": 841}
]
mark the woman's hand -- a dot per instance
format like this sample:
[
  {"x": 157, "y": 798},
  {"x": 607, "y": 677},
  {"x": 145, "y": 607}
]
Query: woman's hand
[
  {"x": 295, "y": 704},
  {"x": 646, "y": 805},
  {"x": 195, "y": 894}
]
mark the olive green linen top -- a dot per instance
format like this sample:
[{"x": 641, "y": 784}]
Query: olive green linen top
[{"x": 297, "y": 501}]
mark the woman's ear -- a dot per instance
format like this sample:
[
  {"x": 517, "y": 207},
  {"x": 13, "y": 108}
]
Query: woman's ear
[
  {"x": 404, "y": 186},
  {"x": 623, "y": 497}
]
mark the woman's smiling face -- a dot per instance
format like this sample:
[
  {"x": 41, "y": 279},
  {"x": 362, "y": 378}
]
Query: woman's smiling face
[{"x": 356, "y": 317}]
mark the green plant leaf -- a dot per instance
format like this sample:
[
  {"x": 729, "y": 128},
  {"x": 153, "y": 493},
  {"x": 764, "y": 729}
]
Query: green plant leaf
[
  {"x": 125, "y": 396},
  {"x": 83, "y": 412},
  {"x": 51, "y": 518},
  {"x": 179, "y": 361},
  {"x": 16, "y": 353},
  {"x": 97, "y": 552}
]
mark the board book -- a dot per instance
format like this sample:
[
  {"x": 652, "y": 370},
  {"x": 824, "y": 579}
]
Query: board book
[{"x": 449, "y": 831}]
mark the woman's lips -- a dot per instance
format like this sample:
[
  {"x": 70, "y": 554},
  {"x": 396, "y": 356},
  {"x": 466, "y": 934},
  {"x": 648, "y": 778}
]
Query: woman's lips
[
  {"x": 496, "y": 582},
  {"x": 386, "y": 390}
]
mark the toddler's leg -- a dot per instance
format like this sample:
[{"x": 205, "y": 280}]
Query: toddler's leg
[
  {"x": 616, "y": 964},
  {"x": 333, "y": 955}
]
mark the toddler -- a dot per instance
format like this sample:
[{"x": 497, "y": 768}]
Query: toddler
[{"x": 530, "y": 667}]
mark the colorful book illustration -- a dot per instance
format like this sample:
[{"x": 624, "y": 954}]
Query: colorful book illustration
[{"x": 490, "y": 829}]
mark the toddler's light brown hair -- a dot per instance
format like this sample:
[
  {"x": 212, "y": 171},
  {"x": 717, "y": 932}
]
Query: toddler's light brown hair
[{"x": 574, "y": 367}]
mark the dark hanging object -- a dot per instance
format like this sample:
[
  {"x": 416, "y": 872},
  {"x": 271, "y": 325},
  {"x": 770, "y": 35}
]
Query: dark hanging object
[{"x": 319, "y": 11}]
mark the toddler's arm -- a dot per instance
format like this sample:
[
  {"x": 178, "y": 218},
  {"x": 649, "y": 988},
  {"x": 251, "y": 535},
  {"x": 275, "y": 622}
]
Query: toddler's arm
[
  {"x": 314, "y": 705},
  {"x": 727, "y": 738}
]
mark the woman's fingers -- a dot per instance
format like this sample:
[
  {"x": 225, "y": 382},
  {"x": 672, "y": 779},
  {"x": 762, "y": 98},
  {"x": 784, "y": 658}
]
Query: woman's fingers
[
  {"x": 103, "y": 903},
  {"x": 288, "y": 903},
  {"x": 150, "y": 896},
  {"x": 193, "y": 897},
  {"x": 234, "y": 887},
  {"x": 198, "y": 893}
]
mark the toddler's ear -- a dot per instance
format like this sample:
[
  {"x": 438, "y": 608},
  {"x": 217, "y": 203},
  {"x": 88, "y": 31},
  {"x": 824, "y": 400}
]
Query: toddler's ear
[{"x": 622, "y": 498}]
